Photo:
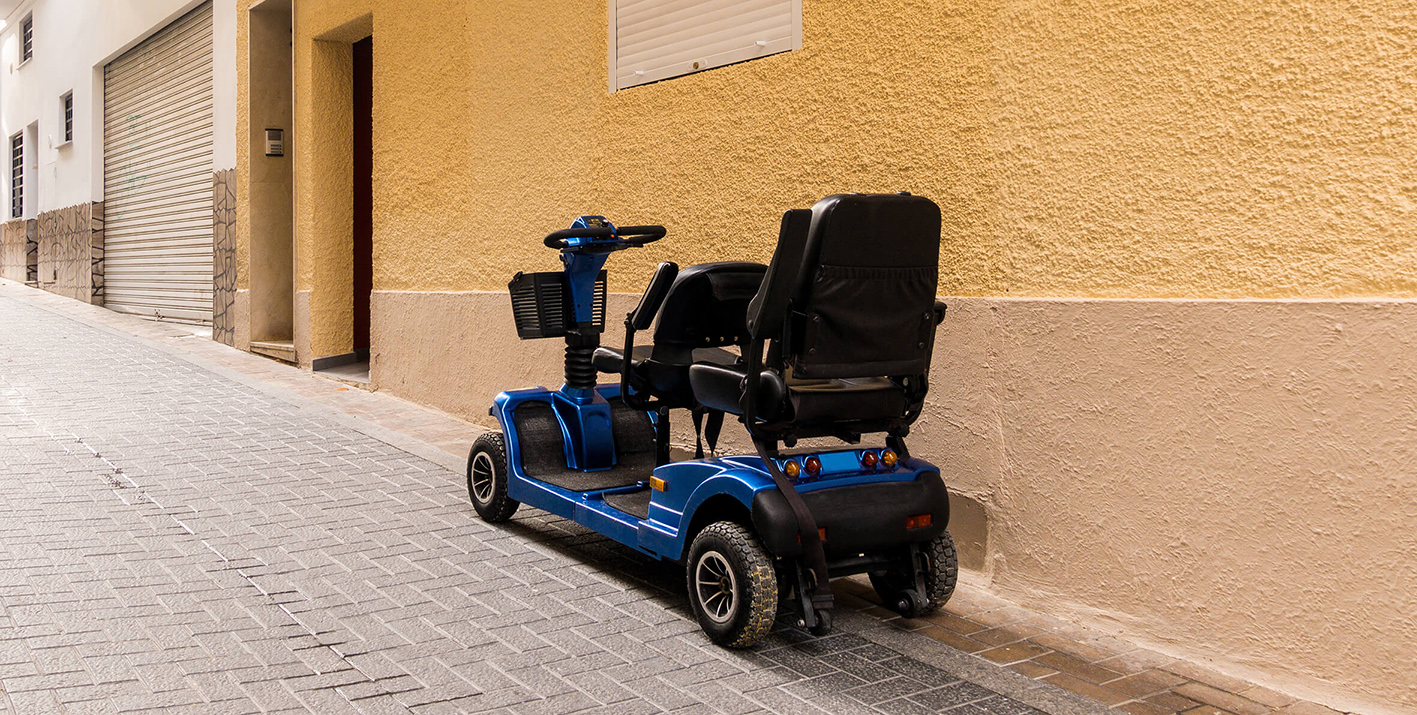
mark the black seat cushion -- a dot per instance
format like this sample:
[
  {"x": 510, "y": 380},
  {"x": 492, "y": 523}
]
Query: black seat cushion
[
  {"x": 801, "y": 401},
  {"x": 667, "y": 381},
  {"x": 720, "y": 387}
]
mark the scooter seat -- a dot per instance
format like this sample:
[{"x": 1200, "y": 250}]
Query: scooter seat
[
  {"x": 668, "y": 381},
  {"x": 721, "y": 387}
]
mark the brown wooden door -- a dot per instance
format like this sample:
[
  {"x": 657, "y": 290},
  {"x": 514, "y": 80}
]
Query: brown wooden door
[{"x": 363, "y": 188}]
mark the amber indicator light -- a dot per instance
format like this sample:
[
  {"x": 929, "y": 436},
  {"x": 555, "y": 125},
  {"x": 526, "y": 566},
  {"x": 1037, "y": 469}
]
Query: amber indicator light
[
  {"x": 821, "y": 534},
  {"x": 919, "y": 521},
  {"x": 792, "y": 469},
  {"x": 888, "y": 458}
]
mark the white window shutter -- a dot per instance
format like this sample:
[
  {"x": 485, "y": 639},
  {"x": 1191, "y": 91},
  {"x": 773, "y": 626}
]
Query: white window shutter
[{"x": 651, "y": 40}]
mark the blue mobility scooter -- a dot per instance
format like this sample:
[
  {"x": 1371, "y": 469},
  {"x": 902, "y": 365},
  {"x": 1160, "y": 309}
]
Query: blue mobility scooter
[{"x": 832, "y": 340}]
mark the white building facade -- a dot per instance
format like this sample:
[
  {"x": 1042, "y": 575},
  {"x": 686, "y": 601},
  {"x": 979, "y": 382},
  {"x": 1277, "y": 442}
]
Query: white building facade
[{"x": 119, "y": 124}]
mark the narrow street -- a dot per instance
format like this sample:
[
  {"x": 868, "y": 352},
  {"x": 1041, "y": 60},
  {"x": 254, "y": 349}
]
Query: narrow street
[{"x": 173, "y": 540}]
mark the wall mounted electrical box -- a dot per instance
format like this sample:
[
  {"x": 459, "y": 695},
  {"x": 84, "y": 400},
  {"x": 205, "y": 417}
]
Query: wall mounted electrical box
[{"x": 275, "y": 142}]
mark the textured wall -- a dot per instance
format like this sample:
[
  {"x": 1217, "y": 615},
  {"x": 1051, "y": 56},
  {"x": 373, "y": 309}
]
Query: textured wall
[
  {"x": 97, "y": 252},
  {"x": 70, "y": 252},
  {"x": 1080, "y": 149},
  {"x": 17, "y": 255},
  {"x": 224, "y": 262},
  {"x": 1231, "y": 478}
]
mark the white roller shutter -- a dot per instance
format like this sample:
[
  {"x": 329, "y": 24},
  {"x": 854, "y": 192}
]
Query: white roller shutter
[
  {"x": 157, "y": 173},
  {"x": 651, "y": 40}
]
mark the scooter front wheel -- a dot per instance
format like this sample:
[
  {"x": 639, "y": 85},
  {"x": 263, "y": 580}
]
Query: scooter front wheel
[
  {"x": 732, "y": 585},
  {"x": 487, "y": 479}
]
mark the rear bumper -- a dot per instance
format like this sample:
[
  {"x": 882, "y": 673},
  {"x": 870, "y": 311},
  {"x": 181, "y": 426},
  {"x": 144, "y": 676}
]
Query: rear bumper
[{"x": 858, "y": 519}]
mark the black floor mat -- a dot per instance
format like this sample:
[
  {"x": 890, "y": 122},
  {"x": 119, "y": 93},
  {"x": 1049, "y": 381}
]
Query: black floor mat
[
  {"x": 544, "y": 459},
  {"x": 633, "y": 503}
]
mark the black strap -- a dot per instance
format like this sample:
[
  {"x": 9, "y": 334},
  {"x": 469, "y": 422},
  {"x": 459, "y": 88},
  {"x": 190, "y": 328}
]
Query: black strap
[
  {"x": 712, "y": 430},
  {"x": 661, "y": 437},
  {"x": 806, "y": 527},
  {"x": 698, "y": 415}
]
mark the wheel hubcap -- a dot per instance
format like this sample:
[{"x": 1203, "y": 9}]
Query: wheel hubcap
[
  {"x": 716, "y": 586},
  {"x": 483, "y": 477}
]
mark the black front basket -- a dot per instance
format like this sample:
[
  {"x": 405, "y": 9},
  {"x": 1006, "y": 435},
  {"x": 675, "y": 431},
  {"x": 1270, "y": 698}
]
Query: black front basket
[{"x": 541, "y": 304}]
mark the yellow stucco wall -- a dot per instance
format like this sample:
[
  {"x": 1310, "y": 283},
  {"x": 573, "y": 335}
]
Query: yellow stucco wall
[{"x": 1078, "y": 149}]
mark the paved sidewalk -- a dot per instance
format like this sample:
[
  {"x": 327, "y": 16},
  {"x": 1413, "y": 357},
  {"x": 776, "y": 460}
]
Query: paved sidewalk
[
  {"x": 174, "y": 539},
  {"x": 1091, "y": 663}
]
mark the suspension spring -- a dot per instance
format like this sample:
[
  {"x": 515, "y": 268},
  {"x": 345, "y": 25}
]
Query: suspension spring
[{"x": 580, "y": 373}]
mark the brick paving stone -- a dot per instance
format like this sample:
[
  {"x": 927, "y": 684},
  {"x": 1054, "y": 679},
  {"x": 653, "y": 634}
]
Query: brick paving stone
[
  {"x": 1077, "y": 668},
  {"x": 1031, "y": 669},
  {"x": 1004, "y": 635},
  {"x": 1147, "y": 682},
  {"x": 1172, "y": 702},
  {"x": 173, "y": 539},
  {"x": 1082, "y": 687},
  {"x": 1137, "y": 707},
  {"x": 1221, "y": 699},
  {"x": 1013, "y": 653}
]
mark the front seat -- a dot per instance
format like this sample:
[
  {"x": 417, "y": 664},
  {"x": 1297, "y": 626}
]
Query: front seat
[{"x": 703, "y": 311}]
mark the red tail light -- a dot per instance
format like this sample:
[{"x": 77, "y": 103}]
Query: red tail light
[
  {"x": 821, "y": 535},
  {"x": 868, "y": 460},
  {"x": 814, "y": 466}
]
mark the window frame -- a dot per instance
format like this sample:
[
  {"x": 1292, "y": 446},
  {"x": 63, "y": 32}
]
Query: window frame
[
  {"x": 794, "y": 42},
  {"x": 27, "y": 39},
  {"x": 17, "y": 175},
  {"x": 66, "y": 116}
]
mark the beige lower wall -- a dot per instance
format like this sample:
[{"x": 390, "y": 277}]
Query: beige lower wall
[
  {"x": 1233, "y": 479},
  {"x": 16, "y": 259},
  {"x": 224, "y": 265},
  {"x": 19, "y": 250},
  {"x": 70, "y": 252}
]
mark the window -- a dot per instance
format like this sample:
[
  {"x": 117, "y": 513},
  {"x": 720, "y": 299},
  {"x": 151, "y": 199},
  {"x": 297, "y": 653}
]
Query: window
[
  {"x": 17, "y": 175},
  {"x": 67, "y": 103},
  {"x": 652, "y": 40},
  {"x": 27, "y": 39}
]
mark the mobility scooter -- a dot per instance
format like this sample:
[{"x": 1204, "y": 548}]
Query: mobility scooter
[{"x": 831, "y": 342}]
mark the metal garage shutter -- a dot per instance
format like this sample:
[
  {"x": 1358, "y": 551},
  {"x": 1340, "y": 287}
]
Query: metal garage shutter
[{"x": 157, "y": 173}]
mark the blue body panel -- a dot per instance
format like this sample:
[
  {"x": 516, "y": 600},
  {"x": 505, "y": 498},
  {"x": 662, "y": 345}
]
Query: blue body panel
[{"x": 688, "y": 484}]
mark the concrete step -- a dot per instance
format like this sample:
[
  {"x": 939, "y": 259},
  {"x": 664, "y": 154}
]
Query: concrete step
[{"x": 278, "y": 349}]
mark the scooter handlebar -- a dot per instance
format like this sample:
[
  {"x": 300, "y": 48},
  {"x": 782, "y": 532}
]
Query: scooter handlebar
[
  {"x": 632, "y": 235},
  {"x": 640, "y": 235},
  {"x": 557, "y": 239}
]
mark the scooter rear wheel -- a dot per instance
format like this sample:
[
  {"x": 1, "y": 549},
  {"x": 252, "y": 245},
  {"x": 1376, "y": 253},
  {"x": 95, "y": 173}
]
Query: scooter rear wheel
[
  {"x": 732, "y": 585},
  {"x": 487, "y": 479},
  {"x": 941, "y": 575}
]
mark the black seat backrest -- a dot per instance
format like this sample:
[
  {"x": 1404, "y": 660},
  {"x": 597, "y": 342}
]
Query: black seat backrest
[
  {"x": 706, "y": 307},
  {"x": 859, "y": 302}
]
